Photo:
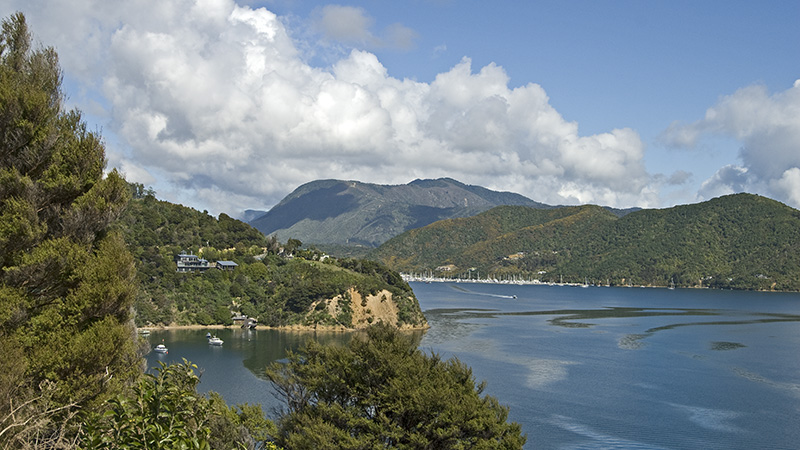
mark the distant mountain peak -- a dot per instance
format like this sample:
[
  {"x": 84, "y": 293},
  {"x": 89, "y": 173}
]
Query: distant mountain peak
[{"x": 352, "y": 212}]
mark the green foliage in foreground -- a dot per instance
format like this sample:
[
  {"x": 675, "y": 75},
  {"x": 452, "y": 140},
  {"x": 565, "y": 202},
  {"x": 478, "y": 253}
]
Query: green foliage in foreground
[
  {"x": 164, "y": 411},
  {"x": 382, "y": 392},
  {"x": 276, "y": 289},
  {"x": 66, "y": 278},
  {"x": 740, "y": 241}
]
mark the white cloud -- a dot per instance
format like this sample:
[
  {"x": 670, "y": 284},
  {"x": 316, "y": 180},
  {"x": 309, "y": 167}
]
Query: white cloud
[
  {"x": 352, "y": 25},
  {"x": 728, "y": 180},
  {"x": 344, "y": 23},
  {"x": 215, "y": 102},
  {"x": 768, "y": 127},
  {"x": 679, "y": 177},
  {"x": 400, "y": 36},
  {"x": 788, "y": 185}
]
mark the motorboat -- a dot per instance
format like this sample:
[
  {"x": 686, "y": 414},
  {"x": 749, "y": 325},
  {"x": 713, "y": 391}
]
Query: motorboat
[
  {"x": 213, "y": 340},
  {"x": 160, "y": 348}
]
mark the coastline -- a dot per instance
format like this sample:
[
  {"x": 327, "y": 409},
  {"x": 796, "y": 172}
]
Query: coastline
[
  {"x": 427, "y": 280},
  {"x": 299, "y": 328}
]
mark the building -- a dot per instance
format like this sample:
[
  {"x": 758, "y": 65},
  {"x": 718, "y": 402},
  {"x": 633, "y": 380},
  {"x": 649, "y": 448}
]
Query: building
[
  {"x": 191, "y": 263},
  {"x": 226, "y": 265},
  {"x": 245, "y": 322}
]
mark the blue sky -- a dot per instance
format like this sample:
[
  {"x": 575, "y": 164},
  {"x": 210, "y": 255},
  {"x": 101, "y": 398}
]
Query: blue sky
[{"x": 228, "y": 106}]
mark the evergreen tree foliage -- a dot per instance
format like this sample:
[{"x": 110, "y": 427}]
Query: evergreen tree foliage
[
  {"x": 164, "y": 411},
  {"x": 382, "y": 392},
  {"x": 66, "y": 279}
]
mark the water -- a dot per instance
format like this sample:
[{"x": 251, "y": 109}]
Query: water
[{"x": 585, "y": 367}]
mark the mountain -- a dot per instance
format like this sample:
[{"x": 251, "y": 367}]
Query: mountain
[
  {"x": 738, "y": 241},
  {"x": 355, "y": 213}
]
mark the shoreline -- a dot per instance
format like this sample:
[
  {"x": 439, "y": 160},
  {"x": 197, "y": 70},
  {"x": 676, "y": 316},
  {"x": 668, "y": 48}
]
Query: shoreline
[
  {"x": 428, "y": 280},
  {"x": 303, "y": 328}
]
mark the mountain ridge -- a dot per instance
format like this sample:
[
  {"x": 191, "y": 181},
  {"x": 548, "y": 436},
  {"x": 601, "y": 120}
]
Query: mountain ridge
[
  {"x": 740, "y": 241},
  {"x": 356, "y": 213}
]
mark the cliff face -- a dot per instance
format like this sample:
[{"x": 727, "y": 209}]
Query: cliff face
[{"x": 365, "y": 310}]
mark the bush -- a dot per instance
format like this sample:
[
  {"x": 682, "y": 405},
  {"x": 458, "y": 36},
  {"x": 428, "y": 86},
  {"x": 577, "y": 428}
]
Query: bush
[
  {"x": 382, "y": 392},
  {"x": 164, "y": 410}
]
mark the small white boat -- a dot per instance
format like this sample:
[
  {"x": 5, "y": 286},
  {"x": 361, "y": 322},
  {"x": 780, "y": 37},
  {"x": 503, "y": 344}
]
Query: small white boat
[
  {"x": 144, "y": 332},
  {"x": 160, "y": 348},
  {"x": 215, "y": 340}
]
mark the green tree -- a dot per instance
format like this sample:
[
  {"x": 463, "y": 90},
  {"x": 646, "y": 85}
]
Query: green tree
[
  {"x": 381, "y": 392},
  {"x": 66, "y": 279},
  {"x": 222, "y": 316},
  {"x": 292, "y": 245},
  {"x": 164, "y": 411}
]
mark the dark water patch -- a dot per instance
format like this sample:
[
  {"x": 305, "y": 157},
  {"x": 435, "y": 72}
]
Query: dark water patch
[
  {"x": 723, "y": 346},
  {"x": 580, "y": 318},
  {"x": 632, "y": 341},
  {"x": 783, "y": 318}
]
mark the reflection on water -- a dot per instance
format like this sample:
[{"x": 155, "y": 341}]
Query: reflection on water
[
  {"x": 628, "y": 368},
  {"x": 596, "y": 439},
  {"x": 790, "y": 388},
  {"x": 582, "y": 368},
  {"x": 710, "y": 418}
]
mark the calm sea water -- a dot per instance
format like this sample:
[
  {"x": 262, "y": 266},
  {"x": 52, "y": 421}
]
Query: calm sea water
[{"x": 583, "y": 368}]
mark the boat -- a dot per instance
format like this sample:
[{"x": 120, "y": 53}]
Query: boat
[
  {"x": 213, "y": 340},
  {"x": 161, "y": 348},
  {"x": 144, "y": 332}
]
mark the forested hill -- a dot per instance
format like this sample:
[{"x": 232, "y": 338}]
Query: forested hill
[
  {"x": 739, "y": 241},
  {"x": 354, "y": 213},
  {"x": 306, "y": 288}
]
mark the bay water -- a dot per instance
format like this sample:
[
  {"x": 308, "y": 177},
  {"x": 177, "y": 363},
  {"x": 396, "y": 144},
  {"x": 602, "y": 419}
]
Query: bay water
[{"x": 580, "y": 368}]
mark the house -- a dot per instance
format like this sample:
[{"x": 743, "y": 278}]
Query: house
[
  {"x": 245, "y": 322},
  {"x": 239, "y": 320},
  {"x": 191, "y": 263},
  {"x": 226, "y": 265}
]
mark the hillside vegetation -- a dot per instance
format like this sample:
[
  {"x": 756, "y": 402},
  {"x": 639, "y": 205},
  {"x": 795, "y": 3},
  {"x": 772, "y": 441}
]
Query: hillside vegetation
[
  {"x": 740, "y": 241},
  {"x": 340, "y": 214},
  {"x": 308, "y": 288}
]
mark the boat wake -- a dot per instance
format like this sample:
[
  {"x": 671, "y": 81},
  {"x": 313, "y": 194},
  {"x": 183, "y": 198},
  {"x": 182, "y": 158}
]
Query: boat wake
[{"x": 485, "y": 294}]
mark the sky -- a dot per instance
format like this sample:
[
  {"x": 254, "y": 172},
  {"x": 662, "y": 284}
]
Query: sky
[{"x": 229, "y": 105}]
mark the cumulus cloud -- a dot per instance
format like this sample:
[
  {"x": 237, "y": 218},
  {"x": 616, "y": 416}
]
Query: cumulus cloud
[
  {"x": 214, "y": 100},
  {"x": 679, "y": 177},
  {"x": 768, "y": 127},
  {"x": 344, "y": 23},
  {"x": 728, "y": 180}
]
